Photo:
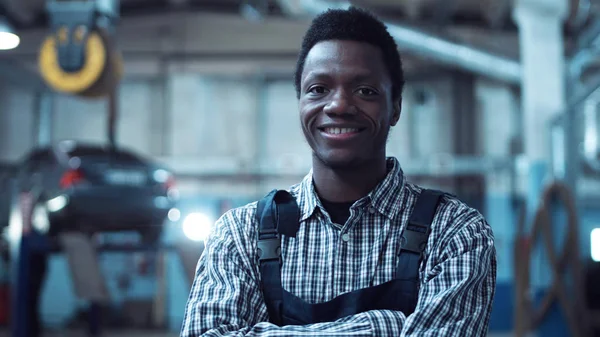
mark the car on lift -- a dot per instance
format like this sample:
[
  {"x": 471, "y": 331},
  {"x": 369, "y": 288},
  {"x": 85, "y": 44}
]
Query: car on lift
[{"x": 92, "y": 188}]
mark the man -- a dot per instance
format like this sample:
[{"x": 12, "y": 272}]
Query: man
[{"x": 341, "y": 271}]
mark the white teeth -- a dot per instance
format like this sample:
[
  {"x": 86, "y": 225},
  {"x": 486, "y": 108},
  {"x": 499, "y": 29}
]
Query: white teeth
[{"x": 337, "y": 131}]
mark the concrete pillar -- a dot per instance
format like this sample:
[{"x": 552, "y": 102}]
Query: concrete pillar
[
  {"x": 543, "y": 76},
  {"x": 543, "y": 97}
]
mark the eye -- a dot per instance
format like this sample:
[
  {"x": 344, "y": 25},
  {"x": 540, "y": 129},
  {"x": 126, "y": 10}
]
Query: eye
[
  {"x": 317, "y": 90},
  {"x": 367, "y": 92}
]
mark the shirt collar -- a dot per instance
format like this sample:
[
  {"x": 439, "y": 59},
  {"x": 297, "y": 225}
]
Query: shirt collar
[
  {"x": 307, "y": 197},
  {"x": 385, "y": 197}
]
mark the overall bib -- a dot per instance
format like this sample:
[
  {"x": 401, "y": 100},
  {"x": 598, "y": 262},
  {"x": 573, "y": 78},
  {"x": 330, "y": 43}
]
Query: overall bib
[{"x": 278, "y": 214}]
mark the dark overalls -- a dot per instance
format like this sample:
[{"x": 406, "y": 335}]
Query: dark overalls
[{"x": 278, "y": 214}]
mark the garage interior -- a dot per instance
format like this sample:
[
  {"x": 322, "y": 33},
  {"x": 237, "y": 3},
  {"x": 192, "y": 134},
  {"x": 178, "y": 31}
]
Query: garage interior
[{"x": 501, "y": 108}]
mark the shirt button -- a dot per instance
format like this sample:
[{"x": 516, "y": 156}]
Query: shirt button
[
  {"x": 346, "y": 237},
  {"x": 372, "y": 210}
]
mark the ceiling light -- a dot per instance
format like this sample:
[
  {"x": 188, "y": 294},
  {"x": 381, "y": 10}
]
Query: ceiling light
[
  {"x": 8, "y": 38},
  {"x": 595, "y": 241},
  {"x": 197, "y": 226}
]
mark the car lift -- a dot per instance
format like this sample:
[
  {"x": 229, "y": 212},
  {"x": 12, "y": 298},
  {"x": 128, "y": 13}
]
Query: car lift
[{"x": 81, "y": 253}]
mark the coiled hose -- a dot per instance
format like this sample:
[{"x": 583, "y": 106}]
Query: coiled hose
[{"x": 567, "y": 291}]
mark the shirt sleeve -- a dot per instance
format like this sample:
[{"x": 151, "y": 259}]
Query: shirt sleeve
[
  {"x": 226, "y": 299},
  {"x": 456, "y": 298}
]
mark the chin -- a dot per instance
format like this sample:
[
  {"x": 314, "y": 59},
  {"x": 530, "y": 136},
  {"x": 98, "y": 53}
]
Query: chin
[{"x": 338, "y": 161}]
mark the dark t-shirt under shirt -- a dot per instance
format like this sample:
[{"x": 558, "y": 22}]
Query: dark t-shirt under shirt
[{"x": 338, "y": 211}]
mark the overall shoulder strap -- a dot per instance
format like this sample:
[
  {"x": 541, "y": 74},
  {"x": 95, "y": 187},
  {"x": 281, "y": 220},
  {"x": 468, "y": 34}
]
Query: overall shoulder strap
[
  {"x": 277, "y": 213},
  {"x": 414, "y": 238}
]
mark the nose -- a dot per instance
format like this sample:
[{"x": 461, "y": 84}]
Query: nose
[{"x": 340, "y": 104}]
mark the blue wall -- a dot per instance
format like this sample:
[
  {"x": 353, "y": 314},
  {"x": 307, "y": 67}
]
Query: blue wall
[{"x": 501, "y": 214}]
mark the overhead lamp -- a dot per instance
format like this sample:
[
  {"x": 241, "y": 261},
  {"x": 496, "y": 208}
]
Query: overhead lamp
[
  {"x": 595, "y": 241},
  {"x": 197, "y": 226},
  {"x": 8, "y": 38}
]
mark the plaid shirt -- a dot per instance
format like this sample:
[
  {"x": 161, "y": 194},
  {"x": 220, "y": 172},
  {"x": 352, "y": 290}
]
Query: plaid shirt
[{"x": 324, "y": 260}]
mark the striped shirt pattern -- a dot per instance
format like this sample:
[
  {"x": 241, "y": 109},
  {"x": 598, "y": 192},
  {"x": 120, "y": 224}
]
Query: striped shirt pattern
[{"x": 325, "y": 260}]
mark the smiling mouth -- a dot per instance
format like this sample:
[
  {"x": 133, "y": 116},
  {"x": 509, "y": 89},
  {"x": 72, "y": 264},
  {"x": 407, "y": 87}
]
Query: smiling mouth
[{"x": 340, "y": 131}]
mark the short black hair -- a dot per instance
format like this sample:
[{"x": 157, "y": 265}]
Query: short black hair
[{"x": 354, "y": 24}]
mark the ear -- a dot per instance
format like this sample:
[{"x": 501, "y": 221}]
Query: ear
[{"x": 396, "y": 112}]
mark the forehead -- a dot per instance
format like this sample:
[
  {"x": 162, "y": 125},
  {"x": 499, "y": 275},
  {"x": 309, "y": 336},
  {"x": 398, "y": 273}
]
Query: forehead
[{"x": 345, "y": 58}]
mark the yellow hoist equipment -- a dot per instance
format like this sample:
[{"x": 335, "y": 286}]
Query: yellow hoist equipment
[{"x": 79, "y": 57}]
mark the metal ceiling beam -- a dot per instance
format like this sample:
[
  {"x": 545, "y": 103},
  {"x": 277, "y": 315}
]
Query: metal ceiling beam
[{"x": 427, "y": 45}]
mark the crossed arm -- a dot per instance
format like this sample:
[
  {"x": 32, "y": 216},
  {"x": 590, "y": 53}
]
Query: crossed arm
[{"x": 454, "y": 300}]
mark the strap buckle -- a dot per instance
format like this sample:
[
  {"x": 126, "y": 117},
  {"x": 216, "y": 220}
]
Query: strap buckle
[
  {"x": 269, "y": 249},
  {"x": 414, "y": 238}
]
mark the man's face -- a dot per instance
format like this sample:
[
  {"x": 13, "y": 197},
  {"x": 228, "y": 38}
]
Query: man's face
[{"x": 346, "y": 106}]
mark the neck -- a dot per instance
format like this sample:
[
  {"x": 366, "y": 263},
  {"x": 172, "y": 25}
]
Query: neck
[{"x": 340, "y": 185}]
